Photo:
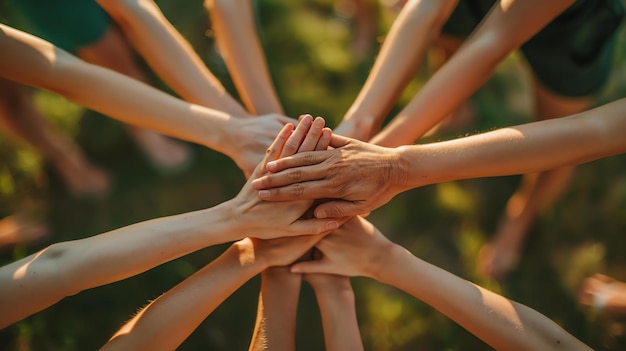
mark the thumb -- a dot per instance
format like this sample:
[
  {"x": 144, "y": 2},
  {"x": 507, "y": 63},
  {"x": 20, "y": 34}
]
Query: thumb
[
  {"x": 338, "y": 140},
  {"x": 338, "y": 209}
]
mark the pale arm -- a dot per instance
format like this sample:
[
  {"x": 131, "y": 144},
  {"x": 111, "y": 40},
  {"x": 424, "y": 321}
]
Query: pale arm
[
  {"x": 275, "y": 327},
  {"x": 236, "y": 35},
  {"x": 508, "y": 25},
  {"x": 359, "y": 249},
  {"x": 367, "y": 176},
  {"x": 191, "y": 301},
  {"x": 169, "y": 54},
  {"x": 335, "y": 298},
  {"x": 401, "y": 54}
]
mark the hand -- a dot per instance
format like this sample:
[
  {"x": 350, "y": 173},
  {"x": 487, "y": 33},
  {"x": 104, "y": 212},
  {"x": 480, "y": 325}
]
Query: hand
[
  {"x": 250, "y": 137},
  {"x": 360, "y": 176},
  {"x": 275, "y": 252},
  {"x": 357, "y": 248},
  {"x": 265, "y": 220},
  {"x": 356, "y": 129}
]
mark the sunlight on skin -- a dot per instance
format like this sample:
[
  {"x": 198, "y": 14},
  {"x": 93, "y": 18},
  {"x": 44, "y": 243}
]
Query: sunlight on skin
[{"x": 21, "y": 271}]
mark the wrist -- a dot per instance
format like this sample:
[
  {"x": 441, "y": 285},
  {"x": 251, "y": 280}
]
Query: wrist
[
  {"x": 248, "y": 255},
  {"x": 383, "y": 259}
]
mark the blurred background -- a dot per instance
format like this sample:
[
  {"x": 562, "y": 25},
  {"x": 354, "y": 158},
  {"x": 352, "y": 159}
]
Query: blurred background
[{"x": 319, "y": 58}]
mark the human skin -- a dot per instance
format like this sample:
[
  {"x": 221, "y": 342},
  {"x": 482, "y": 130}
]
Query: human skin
[
  {"x": 67, "y": 268},
  {"x": 358, "y": 249},
  {"x": 507, "y": 26},
  {"x": 37, "y": 63},
  {"x": 275, "y": 325},
  {"x": 363, "y": 176},
  {"x": 335, "y": 299},
  {"x": 194, "y": 299},
  {"x": 235, "y": 32},
  {"x": 169, "y": 54}
]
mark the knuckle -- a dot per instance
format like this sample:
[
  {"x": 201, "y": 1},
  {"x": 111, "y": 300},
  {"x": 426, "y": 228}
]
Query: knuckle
[
  {"x": 294, "y": 174},
  {"x": 297, "y": 190}
]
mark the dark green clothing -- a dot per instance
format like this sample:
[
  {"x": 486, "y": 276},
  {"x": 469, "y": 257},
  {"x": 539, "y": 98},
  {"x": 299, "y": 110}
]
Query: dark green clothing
[
  {"x": 68, "y": 24},
  {"x": 572, "y": 55}
]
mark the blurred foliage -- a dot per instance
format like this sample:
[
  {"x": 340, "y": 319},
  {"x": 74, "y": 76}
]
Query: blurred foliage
[{"x": 308, "y": 45}]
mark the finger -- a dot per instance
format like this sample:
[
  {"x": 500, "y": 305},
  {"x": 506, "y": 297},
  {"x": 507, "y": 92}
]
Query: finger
[
  {"x": 316, "y": 172},
  {"x": 313, "y": 136},
  {"x": 295, "y": 140},
  {"x": 339, "y": 209},
  {"x": 313, "y": 226},
  {"x": 302, "y": 159},
  {"x": 324, "y": 141},
  {"x": 274, "y": 150},
  {"x": 314, "y": 266},
  {"x": 311, "y": 190},
  {"x": 339, "y": 140}
]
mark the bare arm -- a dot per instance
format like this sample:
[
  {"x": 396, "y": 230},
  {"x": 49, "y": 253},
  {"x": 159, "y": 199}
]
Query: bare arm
[
  {"x": 191, "y": 301},
  {"x": 275, "y": 326},
  {"x": 366, "y": 176},
  {"x": 236, "y": 35},
  {"x": 412, "y": 32},
  {"x": 38, "y": 63},
  {"x": 358, "y": 248},
  {"x": 335, "y": 298},
  {"x": 42, "y": 279},
  {"x": 169, "y": 54},
  {"x": 508, "y": 25}
]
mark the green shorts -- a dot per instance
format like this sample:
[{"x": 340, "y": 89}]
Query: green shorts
[
  {"x": 572, "y": 55},
  {"x": 68, "y": 24}
]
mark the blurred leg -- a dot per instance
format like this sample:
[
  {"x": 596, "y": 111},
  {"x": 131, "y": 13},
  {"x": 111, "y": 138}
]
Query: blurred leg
[
  {"x": 19, "y": 117},
  {"x": 606, "y": 295},
  {"x": 17, "y": 229},
  {"x": 114, "y": 52},
  {"x": 537, "y": 192}
]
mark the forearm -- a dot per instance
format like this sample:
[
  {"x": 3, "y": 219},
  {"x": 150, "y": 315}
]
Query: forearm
[
  {"x": 275, "y": 326},
  {"x": 169, "y": 54},
  {"x": 234, "y": 27},
  {"x": 523, "y": 149},
  {"x": 39, "y": 64},
  {"x": 339, "y": 319},
  {"x": 500, "y": 322},
  {"x": 400, "y": 56},
  {"x": 507, "y": 26},
  {"x": 166, "y": 322},
  {"x": 66, "y": 268}
]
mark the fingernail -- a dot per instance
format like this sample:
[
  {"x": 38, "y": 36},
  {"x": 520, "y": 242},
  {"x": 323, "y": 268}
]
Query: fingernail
[
  {"x": 271, "y": 165},
  {"x": 295, "y": 269},
  {"x": 320, "y": 214},
  {"x": 332, "y": 225},
  {"x": 264, "y": 193}
]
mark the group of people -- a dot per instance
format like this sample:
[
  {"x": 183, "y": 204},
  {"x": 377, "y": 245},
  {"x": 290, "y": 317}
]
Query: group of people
[{"x": 279, "y": 225}]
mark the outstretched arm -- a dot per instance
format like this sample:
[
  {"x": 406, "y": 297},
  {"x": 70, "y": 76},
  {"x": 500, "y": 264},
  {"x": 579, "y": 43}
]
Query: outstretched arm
[
  {"x": 418, "y": 23},
  {"x": 38, "y": 63},
  {"x": 234, "y": 26},
  {"x": 366, "y": 176},
  {"x": 191, "y": 301},
  {"x": 358, "y": 248},
  {"x": 169, "y": 54},
  {"x": 508, "y": 25},
  {"x": 42, "y": 279}
]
